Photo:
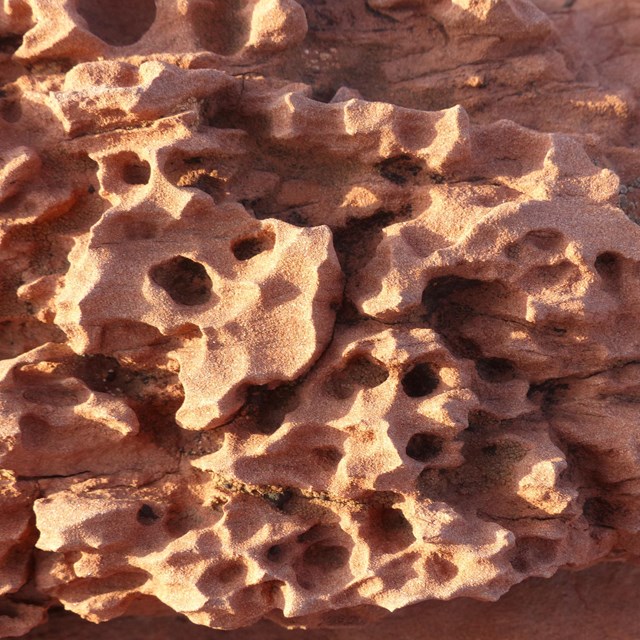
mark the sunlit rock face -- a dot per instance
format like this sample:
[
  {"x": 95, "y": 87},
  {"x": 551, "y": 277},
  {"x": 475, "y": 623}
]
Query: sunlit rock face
[{"x": 314, "y": 310}]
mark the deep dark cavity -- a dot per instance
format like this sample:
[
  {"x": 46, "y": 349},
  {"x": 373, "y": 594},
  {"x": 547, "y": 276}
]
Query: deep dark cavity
[
  {"x": 212, "y": 186},
  {"x": 399, "y": 169},
  {"x": 356, "y": 242},
  {"x": 136, "y": 172},
  {"x": 599, "y": 512},
  {"x": 275, "y": 553},
  {"x": 186, "y": 281},
  {"x": 103, "y": 374},
  {"x": 326, "y": 557},
  {"x": 10, "y": 43},
  {"x": 609, "y": 267},
  {"x": 155, "y": 410},
  {"x": 447, "y": 311},
  {"x": 488, "y": 469},
  {"x": 359, "y": 371},
  {"x": 424, "y": 446},
  {"x": 278, "y": 499},
  {"x": 452, "y": 301},
  {"x": 146, "y": 515},
  {"x": 265, "y": 409},
  {"x": 496, "y": 369},
  {"x": 118, "y": 22},
  {"x": 421, "y": 380},
  {"x": 347, "y": 313},
  {"x": 198, "y": 172},
  {"x": 444, "y": 289},
  {"x": 248, "y": 248},
  {"x": 388, "y": 529},
  {"x": 323, "y": 93},
  {"x": 547, "y": 393}
]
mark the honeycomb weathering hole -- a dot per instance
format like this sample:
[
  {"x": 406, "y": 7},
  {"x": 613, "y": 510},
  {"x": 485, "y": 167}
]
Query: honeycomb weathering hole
[
  {"x": 389, "y": 529},
  {"x": 359, "y": 371},
  {"x": 186, "y": 281},
  {"x": 399, "y": 169},
  {"x": 608, "y": 265},
  {"x": 424, "y": 447},
  {"x": 421, "y": 380},
  {"x": 496, "y": 369},
  {"x": 118, "y": 22},
  {"x": 250, "y": 247},
  {"x": 544, "y": 239},
  {"x": 326, "y": 557},
  {"x": 136, "y": 172},
  {"x": 146, "y": 516},
  {"x": 265, "y": 409},
  {"x": 305, "y": 360}
]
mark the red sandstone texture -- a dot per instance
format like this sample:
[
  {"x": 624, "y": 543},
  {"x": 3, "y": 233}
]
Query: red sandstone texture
[
  {"x": 596, "y": 603},
  {"x": 314, "y": 310}
]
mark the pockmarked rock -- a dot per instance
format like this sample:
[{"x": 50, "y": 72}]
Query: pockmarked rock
[{"x": 312, "y": 311}]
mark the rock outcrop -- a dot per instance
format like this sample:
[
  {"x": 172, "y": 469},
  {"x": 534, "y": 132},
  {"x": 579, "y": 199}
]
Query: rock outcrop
[{"x": 314, "y": 310}]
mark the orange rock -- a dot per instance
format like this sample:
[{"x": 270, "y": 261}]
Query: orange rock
[{"x": 314, "y": 310}]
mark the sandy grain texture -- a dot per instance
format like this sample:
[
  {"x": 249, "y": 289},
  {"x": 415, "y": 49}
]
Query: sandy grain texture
[{"x": 314, "y": 310}]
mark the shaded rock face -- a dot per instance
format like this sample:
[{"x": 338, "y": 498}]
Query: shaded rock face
[
  {"x": 571, "y": 604},
  {"x": 298, "y": 320}
]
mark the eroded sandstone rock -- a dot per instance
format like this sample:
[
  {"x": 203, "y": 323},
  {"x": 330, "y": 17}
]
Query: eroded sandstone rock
[{"x": 299, "y": 320}]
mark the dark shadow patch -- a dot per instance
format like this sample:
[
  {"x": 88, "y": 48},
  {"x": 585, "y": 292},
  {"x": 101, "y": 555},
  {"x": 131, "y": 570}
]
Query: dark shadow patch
[
  {"x": 399, "y": 169},
  {"x": 187, "y": 282},
  {"x": 10, "y": 110},
  {"x": 10, "y": 43},
  {"x": 533, "y": 553},
  {"x": 450, "y": 302},
  {"x": 440, "y": 568},
  {"x": 356, "y": 242},
  {"x": 359, "y": 371},
  {"x": 278, "y": 499},
  {"x": 275, "y": 553},
  {"x": 424, "y": 447},
  {"x": 496, "y": 370},
  {"x": 136, "y": 172},
  {"x": 218, "y": 25},
  {"x": 247, "y": 248},
  {"x": 599, "y": 512},
  {"x": 388, "y": 530},
  {"x": 265, "y": 409},
  {"x": 118, "y": 22},
  {"x": 35, "y": 432},
  {"x": 420, "y": 381},
  {"x": 146, "y": 516},
  {"x": 326, "y": 557},
  {"x": 608, "y": 265}
]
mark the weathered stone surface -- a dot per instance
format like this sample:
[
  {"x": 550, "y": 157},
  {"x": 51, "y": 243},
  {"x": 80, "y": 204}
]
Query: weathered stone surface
[{"x": 314, "y": 310}]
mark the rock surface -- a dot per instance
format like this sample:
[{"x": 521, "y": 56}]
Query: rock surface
[
  {"x": 314, "y": 310},
  {"x": 585, "y": 605}
]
